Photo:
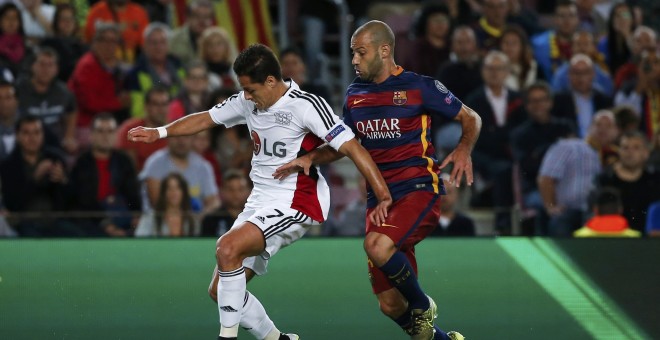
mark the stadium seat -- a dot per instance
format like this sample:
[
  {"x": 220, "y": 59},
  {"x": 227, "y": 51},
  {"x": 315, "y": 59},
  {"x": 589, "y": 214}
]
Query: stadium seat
[{"x": 653, "y": 219}]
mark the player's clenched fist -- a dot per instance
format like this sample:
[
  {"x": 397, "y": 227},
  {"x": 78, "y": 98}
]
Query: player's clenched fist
[{"x": 143, "y": 134}]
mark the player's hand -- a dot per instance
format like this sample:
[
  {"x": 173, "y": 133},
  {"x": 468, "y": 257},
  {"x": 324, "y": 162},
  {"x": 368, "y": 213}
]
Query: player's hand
[
  {"x": 295, "y": 166},
  {"x": 462, "y": 166},
  {"x": 142, "y": 134},
  {"x": 379, "y": 214}
]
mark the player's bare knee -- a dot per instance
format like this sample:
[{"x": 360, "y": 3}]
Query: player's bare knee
[
  {"x": 392, "y": 307},
  {"x": 226, "y": 250},
  {"x": 378, "y": 247}
]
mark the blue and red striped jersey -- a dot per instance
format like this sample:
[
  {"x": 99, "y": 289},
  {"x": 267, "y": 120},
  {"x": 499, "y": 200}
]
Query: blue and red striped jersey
[{"x": 393, "y": 121}]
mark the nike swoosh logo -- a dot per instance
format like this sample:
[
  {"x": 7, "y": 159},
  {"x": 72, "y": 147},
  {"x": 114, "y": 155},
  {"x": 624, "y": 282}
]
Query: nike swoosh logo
[
  {"x": 388, "y": 225},
  {"x": 358, "y": 101}
]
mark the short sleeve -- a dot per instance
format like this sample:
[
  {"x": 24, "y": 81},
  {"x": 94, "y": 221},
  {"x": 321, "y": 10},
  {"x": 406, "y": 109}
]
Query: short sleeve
[
  {"x": 322, "y": 121},
  {"x": 231, "y": 111},
  {"x": 438, "y": 99}
]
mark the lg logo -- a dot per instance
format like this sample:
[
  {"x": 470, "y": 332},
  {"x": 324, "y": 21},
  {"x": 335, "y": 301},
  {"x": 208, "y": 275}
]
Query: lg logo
[{"x": 277, "y": 149}]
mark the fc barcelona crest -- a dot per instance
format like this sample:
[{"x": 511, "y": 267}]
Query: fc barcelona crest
[{"x": 399, "y": 98}]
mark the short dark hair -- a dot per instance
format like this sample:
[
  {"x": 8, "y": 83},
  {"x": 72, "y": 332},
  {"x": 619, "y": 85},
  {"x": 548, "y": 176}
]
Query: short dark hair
[
  {"x": 46, "y": 51},
  {"x": 539, "y": 85},
  {"x": 158, "y": 88},
  {"x": 625, "y": 116},
  {"x": 291, "y": 50},
  {"x": 608, "y": 201},
  {"x": 564, "y": 3},
  {"x": 257, "y": 62},
  {"x": 635, "y": 135},
  {"x": 27, "y": 119},
  {"x": 233, "y": 174}
]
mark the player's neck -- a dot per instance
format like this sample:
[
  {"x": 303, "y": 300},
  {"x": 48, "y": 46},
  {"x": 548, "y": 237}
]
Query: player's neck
[
  {"x": 389, "y": 68},
  {"x": 279, "y": 91}
]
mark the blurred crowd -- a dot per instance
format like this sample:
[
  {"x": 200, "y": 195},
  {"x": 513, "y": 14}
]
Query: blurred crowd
[{"x": 568, "y": 91}]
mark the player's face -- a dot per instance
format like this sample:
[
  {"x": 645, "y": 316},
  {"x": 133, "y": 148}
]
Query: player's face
[
  {"x": 366, "y": 60},
  {"x": 261, "y": 94}
]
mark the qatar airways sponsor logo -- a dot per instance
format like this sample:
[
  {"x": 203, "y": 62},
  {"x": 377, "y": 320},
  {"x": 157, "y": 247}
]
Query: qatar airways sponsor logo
[{"x": 386, "y": 128}]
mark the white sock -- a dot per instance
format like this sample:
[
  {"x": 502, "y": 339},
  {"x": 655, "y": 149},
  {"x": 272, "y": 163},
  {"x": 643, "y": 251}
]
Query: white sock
[
  {"x": 231, "y": 294},
  {"x": 255, "y": 319}
]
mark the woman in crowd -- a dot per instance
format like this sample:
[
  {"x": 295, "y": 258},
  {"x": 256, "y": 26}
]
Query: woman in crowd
[
  {"x": 524, "y": 70},
  {"x": 66, "y": 40},
  {"x": 172, "y": 216}
]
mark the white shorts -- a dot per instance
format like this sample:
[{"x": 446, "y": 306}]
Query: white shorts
[{"x": 281, "y": 226}]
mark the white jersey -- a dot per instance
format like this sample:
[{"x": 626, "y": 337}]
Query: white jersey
[{"x": 296, "y": 124}]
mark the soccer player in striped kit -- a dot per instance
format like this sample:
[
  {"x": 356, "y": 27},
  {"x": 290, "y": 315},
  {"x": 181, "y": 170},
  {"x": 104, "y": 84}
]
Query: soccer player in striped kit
[
  {"x": 390, "y": 111},
  {"x": 284, "y": 122}
]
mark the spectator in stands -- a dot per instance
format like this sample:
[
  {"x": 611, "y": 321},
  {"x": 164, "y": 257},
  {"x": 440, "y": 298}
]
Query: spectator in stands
[
  {"x": 638, "y": 184},
  {"x": 582, "y": 101},
  {"x": 490, "y": 26},
  {"x": 565, "y": 179},
  {"x": 8, "y": 117},
  {"x": 179, "y": 157},
  {"x": 501, "y": 111},
  {"x": 218, "y": 51},
  {"x": 615, "y": 44},
  {"x": 452, "y": 222},
  {"x": 430, "y": 47},
  {"x": 590, "y": 19},
  {"x": 155, "y": 66},
  {"x": 157, "y": 102},
  {"x": 66, "y": 40},
  {"x": 644, "y": 40},
  {"x": 608, "y": 220},
  {"x": 603, "y": 137},
  {"x": 194, "y": 95},
  {"x": 524, "y": 69},
  {"x": 104, "y": 179},
  {"x": 37, "y": 18},
  {"x": 643, "y": 94},
  {"x": 183, "y": 43},
  {"x": 96, "y": 81},
  {"x": 13, "y": 50},
  {"x": 552, "y": 48},
  {"x": 234, "y": 193},
  {"x": 463, "y": 12},
  {"x": 44, "y": 96},
  {"x": 294, "y": 67},
  {"x": 172, "y": 214},
  {"x": 34, "y": 180},
  {"x": 532, "y": 139},
  {"x": 131, "y": 17},
  {"x": 583, "y": 43},
  {"x": 461, "y": 74}
]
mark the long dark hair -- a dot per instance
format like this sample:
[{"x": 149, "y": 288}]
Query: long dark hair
[
  {"x": 8, "y": 7},
  {"x": 617, "y": 46},
  {"x": 525, "y": 51},
  {"x": 56, "y": 18},
  {"x": 187, "y": 220}
]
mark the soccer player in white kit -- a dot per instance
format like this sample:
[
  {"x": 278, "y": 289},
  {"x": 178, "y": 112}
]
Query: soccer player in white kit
[{"x": 285, "y": 123}]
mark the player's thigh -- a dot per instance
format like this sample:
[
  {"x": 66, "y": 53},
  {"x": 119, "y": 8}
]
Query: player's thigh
[
  {"x": 242, "y": 240},
  {"x": 410, "y": 219}
]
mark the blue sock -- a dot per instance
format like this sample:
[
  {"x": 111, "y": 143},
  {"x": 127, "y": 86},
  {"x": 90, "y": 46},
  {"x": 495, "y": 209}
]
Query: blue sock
[
  {"x": 404, "y": 320},
  {"x": 440, "y": 334},
  {"x": 402, "y": 276}
]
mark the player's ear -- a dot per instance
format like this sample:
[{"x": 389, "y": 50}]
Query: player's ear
[
  {"x": 385, "y": 51},
  {"x": 270, "y": 81}
]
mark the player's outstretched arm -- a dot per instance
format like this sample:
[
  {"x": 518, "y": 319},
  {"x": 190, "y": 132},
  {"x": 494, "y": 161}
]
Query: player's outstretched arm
[
  {"x": 323, "y": 155},
  {"x": 363, "y": 161},
  {"x": 187, "y": 125},
  {"x": 460, "y": 156}
]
